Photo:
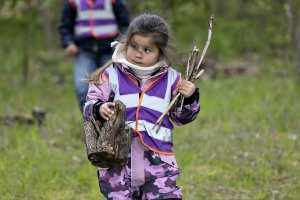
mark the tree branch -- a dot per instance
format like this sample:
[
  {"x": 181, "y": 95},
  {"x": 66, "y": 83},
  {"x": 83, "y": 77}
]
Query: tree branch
[{"x": 192, "y": 73}]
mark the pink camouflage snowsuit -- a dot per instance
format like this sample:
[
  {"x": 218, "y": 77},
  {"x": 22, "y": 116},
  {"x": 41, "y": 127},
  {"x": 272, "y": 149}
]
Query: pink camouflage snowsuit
[{"x": 151, "y": 170}]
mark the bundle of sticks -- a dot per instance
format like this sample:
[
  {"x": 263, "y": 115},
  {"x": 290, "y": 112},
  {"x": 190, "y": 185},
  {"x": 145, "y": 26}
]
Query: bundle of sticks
[{"x": 193, "y": 72}]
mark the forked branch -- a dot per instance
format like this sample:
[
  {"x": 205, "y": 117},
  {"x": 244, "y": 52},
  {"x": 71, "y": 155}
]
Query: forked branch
[{"x": 193, "y": 72}]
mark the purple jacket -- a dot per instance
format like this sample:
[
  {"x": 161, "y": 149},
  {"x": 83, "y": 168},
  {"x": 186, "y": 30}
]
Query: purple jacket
[{"x": 102, "y": 92}]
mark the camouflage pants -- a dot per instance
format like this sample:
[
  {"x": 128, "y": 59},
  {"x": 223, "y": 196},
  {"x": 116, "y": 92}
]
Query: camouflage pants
[{"x": 161, "y": 172}]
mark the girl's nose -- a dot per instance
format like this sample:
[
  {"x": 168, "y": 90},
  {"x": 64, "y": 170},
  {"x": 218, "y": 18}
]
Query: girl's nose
[{"x": 138, "y": 54}]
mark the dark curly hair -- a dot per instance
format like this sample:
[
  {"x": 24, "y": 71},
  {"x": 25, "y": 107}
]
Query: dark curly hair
[{"x": 149, "y": 25}]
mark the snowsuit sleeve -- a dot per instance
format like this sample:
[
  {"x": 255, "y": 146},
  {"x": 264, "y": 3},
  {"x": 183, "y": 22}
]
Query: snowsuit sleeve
[
  {"x": 190, "y": 109},
  {"x": 97, "y": 95}
]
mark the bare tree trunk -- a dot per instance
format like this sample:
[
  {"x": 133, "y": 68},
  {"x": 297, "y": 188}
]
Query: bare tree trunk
[
  {"x": 165, "y": 8},
  {"x": 241, "y": 9},
  {"x": 297, "y": 40},
  {"x": 295, "y": 34},
  {"x": 292, "y": 23},
  {"x": 45, "y": 12},
  {"x": 47, "y": 27},
  {"x": 221, "y": 6},
  {"x": 25, "y": 54},
  {"x": 27, "y": 41}
]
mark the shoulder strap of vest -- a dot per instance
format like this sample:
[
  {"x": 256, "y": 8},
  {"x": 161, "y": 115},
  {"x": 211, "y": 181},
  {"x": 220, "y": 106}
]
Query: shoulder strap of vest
[
  {"x": 174, "y": 77},
  {"x": 112, "y": 75}
]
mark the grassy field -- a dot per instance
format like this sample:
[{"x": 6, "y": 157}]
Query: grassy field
[{"x": 244, "y": 144}]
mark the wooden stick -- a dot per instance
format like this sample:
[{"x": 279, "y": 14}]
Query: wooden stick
[
  {"x": 181, "y": 103},
  {"x": 199, "y": 74},
  {"x": 160, "y": 119},
  {"x": 192, "y": 70},
  {"x": 193, "y": 61},
  {"x": 210, "y": 21},
  {"x": 188, "y": 66}
]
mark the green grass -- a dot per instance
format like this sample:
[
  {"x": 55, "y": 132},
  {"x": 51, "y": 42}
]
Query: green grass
[{"x": 244, "y": 144}]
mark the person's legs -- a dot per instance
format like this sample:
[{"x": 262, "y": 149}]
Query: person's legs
[
  {"x": 115, "y": 184},
  {"x": 84, "y": 65},
  {"x": 161, "y": 174}
]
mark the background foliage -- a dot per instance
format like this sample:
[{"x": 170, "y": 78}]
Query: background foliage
[{"x": 243, "y": 145}]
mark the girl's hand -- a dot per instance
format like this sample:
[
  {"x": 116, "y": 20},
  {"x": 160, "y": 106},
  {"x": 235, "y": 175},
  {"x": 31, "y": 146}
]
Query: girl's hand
[
  {"x": 106, "y": 111},
  {"x": 187, "y": 88}
]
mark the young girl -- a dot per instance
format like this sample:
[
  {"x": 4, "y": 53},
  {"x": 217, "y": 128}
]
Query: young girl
[{"x": 140, "y": 77}]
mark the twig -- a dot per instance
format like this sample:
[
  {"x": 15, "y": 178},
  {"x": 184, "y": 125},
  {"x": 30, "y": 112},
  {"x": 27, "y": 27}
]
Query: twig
[
  {"x": 199, "y": 74},
  {"x": 192, "y": 73},
  {"x": 187, "y": 74},
  {"x": 210, "y": 21},
  {"x": 160, "y": 119},
  {"x": 193, "y": 61},
  {"x": 188, "y": 65},
  {"x": 189, "y": 70}
]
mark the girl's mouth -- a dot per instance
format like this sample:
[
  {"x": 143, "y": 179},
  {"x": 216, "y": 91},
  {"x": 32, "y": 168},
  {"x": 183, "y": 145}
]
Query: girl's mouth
[{"x": 137, "y": 63}]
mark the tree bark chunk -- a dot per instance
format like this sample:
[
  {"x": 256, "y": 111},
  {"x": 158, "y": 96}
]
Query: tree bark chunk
[{"x": 108, "y": 144}]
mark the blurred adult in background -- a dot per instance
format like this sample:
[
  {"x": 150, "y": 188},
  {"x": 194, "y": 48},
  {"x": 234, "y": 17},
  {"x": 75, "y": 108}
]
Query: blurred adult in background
[{"x": 87, "y": 29}]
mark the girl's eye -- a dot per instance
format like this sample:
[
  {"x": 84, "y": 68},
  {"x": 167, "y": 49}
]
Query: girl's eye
[{"x": 147, "y": 50}]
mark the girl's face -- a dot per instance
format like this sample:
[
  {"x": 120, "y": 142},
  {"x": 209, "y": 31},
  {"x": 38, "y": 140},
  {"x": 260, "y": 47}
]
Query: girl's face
[{"x": 142, "y": 51}]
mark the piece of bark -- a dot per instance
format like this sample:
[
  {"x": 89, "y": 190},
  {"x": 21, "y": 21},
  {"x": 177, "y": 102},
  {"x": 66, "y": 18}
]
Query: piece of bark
[
  {"x": 91, "y": 135},
  {"x": 108, "y": 144}
]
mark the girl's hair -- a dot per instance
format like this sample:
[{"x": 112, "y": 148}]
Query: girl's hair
[
  {"x": 153, "y": 26},
  {"x": 95, "y": 76},
  {"x": 149, "y": 25}
]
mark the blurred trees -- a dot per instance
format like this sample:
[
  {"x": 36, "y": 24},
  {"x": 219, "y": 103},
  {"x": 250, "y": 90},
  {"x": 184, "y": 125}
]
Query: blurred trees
[
  {"x": 294, "y": 16},
  {"x": 241, "y": 26},
  {"x": 38, "y": 16},
  {"x": 37, "y": 20}
]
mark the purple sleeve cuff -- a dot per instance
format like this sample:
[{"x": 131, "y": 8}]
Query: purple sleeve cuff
[
  {"x": 189, "y": 112},
  {"x": 193, "y": 98}
]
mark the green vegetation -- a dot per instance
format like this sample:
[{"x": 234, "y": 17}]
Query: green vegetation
[{"x": 244, "y": 144}]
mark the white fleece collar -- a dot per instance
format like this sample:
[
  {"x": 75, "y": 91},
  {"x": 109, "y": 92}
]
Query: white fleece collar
[{"x": 142, "y": 72}]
